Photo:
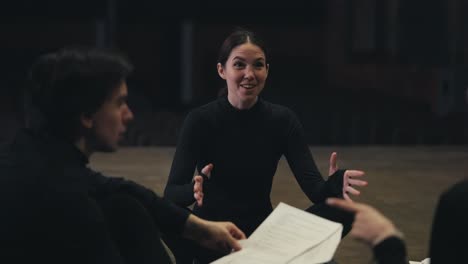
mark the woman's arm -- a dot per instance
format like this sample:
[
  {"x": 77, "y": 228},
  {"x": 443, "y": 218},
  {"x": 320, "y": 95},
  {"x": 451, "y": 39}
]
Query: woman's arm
[
  {"x": 303, "y": 166},
  {"x": 180, "y": 185},
  {"x": 340, "y": 183}
]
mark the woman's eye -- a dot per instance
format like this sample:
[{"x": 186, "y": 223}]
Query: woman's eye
[{"x": 239, "y": 64}]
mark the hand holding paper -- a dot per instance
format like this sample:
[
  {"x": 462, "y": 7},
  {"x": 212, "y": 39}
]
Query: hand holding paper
[{"x": 289, "y": 235}]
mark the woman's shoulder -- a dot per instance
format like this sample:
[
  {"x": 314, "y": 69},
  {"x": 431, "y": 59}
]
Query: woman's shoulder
[
  {"x": 203, "y": 113},
  {"x": 278, "y": 110}
]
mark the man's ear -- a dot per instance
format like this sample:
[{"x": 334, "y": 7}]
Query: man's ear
[
  {"x": 86, "y": 121},
  {"x": 220, "y": 70}
]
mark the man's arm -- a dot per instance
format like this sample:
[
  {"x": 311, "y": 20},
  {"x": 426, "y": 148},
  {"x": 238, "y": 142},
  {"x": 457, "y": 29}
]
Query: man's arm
[
  {"x": 374, "y": 229},
  {"x": 170, "y": 218}
]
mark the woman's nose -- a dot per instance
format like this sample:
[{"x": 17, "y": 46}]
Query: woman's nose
[{"x": 248, "y": 74}]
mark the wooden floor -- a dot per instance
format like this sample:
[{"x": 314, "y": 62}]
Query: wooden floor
[{"x": 404, "y": 183}]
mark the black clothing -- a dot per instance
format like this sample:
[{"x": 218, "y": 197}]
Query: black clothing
[
  {"x": 245, "y": 147},
  {"x": 449, "y": 238},
  {"x": 56, "y": 209},
  {"x": 391, "y": 251}
]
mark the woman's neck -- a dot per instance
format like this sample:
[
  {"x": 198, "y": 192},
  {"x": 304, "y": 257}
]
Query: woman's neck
[{"x": 241, "y": 105}]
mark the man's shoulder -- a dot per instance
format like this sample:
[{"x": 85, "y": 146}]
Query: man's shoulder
[
  {"x": 29, "y": 160},
  {"x": 458, "y": 192}
]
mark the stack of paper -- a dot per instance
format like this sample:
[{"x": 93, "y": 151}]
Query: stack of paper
[
  {"x": 289, "y": 235},
  {"x": 425, "y": 261}
]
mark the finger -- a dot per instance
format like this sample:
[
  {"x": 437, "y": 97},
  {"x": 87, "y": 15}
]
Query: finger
[
  {"x": 223, "y": 246},
  {"x": 237, "y": 233},
  {"x": 199, "y": 198},
  {"x": 354, "y": 182},
  {"x": 198, "y": 179},
  {"x": 351, "y": 190},
  {"x": 197, "y": 187},
  {"x": 347, "y": 198},
  {"x": 207, "y": 170},
  {"x": 354, "y": 173},
  {"x": 344, "y": 204},
  {"x": 233, "y": 243},
  {"x": 333, "y": 164}
]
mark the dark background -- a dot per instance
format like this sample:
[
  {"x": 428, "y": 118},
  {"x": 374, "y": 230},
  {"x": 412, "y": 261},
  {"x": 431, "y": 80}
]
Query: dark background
[{"x": 355, "y": 71}]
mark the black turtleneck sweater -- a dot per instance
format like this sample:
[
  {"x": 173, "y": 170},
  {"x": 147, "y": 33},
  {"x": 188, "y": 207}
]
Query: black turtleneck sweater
[
  {"x": 48, "y": 200},
  {"x": 245, "y": 147}
]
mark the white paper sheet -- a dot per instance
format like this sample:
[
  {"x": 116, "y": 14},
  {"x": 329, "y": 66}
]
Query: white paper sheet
[
  {"x": 425, "y": 261},
  {"x": 289, "y": 235}
]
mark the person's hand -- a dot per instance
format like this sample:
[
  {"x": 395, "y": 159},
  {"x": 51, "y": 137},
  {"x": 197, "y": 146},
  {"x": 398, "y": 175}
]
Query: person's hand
[
  {"x": 220, "y": 236},
  {"x": 349, "y": 178},
  {"x": 198, "y": 186},
  {"x": 369, "y": 224}
]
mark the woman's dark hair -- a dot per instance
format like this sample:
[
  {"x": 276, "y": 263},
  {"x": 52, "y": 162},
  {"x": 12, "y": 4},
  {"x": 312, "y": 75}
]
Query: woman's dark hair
[
  {"x": 74, "y": 81},
  {"x": 238, "y": 37}
]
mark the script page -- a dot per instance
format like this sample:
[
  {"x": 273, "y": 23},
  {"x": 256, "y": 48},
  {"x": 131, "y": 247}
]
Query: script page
[{"x": 285, "y": 235}]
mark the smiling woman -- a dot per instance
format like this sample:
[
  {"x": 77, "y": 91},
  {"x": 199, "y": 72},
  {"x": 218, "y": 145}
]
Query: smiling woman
[
  {"x": 245, "y": 73},
  {"x": 236, "y": 142}
]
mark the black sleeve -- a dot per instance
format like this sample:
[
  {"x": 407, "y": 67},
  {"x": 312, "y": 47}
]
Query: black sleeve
[
  {"x": 168, "y": 217},
  {"x": 391, "y": 251},
  {"x": 303, "y": 166},
  {"x": 179, "y": 187},
  {"x": 449, "y": 236}
]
